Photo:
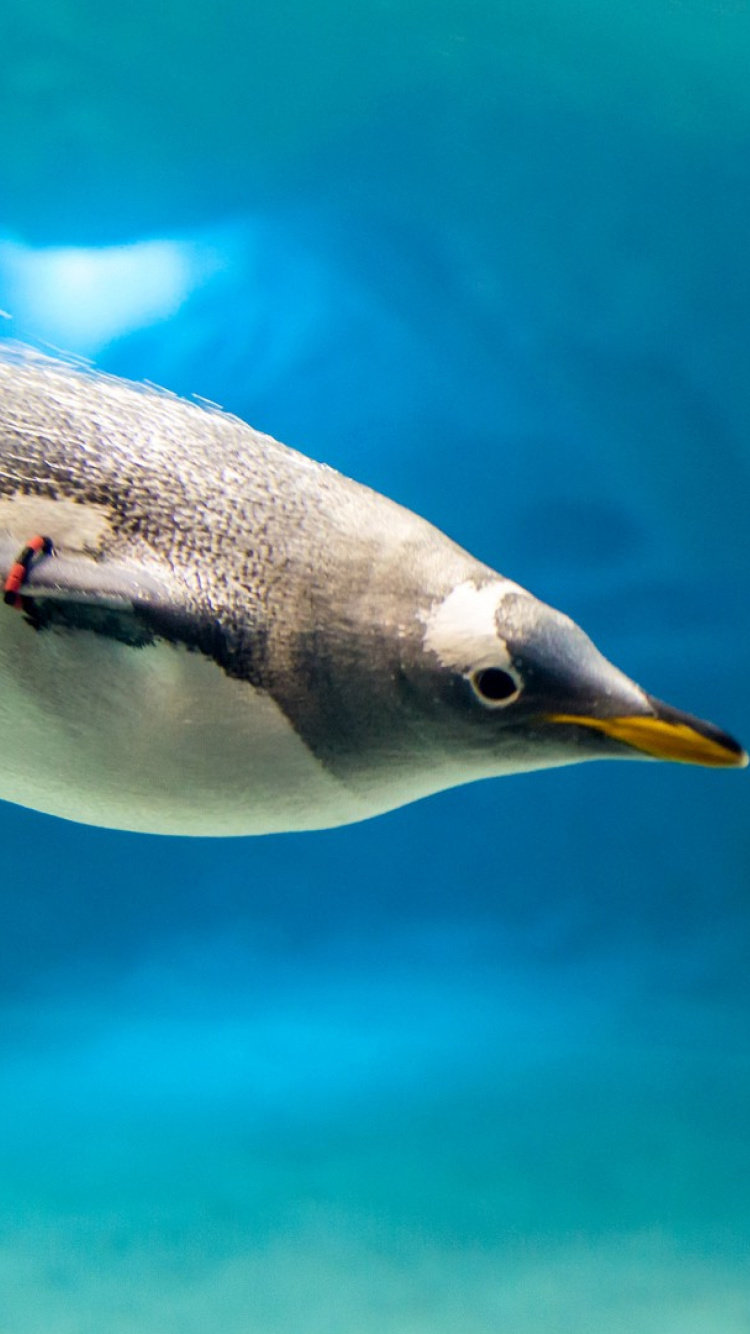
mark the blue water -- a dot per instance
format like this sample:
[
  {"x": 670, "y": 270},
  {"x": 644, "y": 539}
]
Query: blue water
[{"x": 482, "y": 1065}]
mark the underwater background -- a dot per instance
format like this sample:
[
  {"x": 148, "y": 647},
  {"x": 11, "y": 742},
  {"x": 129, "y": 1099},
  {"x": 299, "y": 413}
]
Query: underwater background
[{"x": 481, "y": 1065}]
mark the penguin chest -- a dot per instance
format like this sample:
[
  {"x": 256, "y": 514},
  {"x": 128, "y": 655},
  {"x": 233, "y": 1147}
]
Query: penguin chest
[{"x": 156, "y": 738}]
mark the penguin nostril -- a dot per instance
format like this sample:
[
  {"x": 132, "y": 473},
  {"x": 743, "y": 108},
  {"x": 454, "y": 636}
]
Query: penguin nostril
[{"x": 495, "y": 686}]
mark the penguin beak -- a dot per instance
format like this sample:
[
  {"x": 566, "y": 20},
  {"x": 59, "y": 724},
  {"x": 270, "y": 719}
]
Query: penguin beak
[{"x": 667, "y": 734}]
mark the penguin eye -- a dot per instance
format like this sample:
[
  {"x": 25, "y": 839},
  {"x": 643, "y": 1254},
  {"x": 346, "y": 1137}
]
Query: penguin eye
[{"x": 495, "y": 687}]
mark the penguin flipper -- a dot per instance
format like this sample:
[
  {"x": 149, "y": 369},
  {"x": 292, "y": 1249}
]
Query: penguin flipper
[
  {"x": 102, "y": 583},
  {"x": 77, "y": 578},
  {"x": 118, "y": 599}
]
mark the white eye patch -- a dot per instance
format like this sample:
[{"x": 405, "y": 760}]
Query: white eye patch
[{"x": 462, "y": 630}]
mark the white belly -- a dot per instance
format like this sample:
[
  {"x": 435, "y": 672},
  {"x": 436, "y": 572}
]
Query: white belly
[{"x": 153, "y": 739}]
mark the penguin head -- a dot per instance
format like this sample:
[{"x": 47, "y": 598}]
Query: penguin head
[{"x": 527, "y": 689}]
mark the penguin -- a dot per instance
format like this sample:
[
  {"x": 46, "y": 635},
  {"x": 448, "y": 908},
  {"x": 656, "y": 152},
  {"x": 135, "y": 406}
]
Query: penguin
[{"x": 205, "y": 632}]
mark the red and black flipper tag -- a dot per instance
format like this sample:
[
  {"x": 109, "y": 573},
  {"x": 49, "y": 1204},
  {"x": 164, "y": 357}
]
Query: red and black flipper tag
[{"x": 36, "y": 549}]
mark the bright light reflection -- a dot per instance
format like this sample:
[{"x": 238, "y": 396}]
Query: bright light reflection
[{"x": 81, "y": 299}]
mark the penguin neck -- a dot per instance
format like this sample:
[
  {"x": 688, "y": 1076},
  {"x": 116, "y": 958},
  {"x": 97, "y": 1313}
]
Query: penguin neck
[{"x": 345, "y": 664}]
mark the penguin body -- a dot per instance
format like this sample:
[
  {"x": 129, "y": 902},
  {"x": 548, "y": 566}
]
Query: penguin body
[{"x": 230, "y": 638}]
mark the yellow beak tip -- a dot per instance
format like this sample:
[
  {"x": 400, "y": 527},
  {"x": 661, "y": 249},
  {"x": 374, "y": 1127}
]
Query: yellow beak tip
[{"x": 683, "y": 740}]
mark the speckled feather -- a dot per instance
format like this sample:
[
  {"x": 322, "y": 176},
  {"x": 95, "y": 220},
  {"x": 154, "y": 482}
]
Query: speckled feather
[{"x": 231, "y": 511}]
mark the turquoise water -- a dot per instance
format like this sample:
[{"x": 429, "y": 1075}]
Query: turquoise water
[{"x": 481, "y": 1065}]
